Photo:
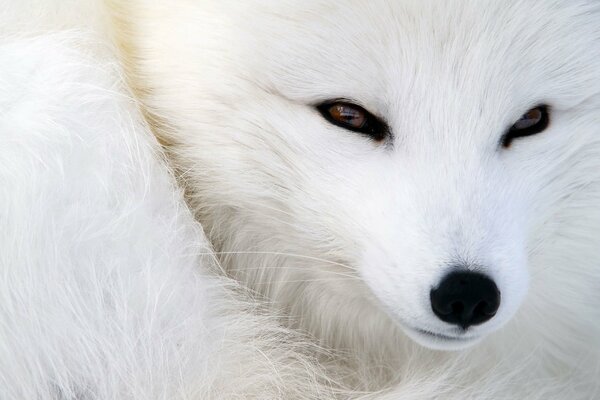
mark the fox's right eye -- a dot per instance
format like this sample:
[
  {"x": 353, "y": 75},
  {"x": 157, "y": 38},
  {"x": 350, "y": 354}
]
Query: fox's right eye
[{"x": 354, "y": 118}]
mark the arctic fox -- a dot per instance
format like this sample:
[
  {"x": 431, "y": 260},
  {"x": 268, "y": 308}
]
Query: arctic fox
[
  {"x": 415, "y": 184},
  {"x": 400, "y": 177}
]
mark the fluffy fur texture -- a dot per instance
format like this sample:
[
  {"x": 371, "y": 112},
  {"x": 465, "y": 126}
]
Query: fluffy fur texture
[
  {"x": 106, "y": 289},
  {"x": 348, "y": 235}
]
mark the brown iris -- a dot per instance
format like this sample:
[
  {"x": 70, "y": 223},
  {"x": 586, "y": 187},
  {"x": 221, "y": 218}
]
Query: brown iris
[
  {"x": 529, "y": 119},
  {"x": 351, "y": 116}
]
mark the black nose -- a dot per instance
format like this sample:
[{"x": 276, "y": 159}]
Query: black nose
[{"x": 465, "y": 299}]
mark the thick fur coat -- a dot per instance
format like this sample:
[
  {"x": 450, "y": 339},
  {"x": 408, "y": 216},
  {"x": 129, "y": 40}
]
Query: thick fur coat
[
  {"x": 344, "y": 237},
  {"x": 108, "y": 286}
]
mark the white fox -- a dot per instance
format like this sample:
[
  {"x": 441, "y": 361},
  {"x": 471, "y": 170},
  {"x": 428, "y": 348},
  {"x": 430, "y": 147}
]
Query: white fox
[{"x": 416, "y": 184}]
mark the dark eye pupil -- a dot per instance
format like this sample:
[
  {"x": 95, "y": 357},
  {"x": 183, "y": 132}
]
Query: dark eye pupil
[{"x": 532, "y": 122}]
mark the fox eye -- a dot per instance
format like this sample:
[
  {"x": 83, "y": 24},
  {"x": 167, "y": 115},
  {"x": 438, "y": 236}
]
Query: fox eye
[
  {"x": 354, "y": 118},
  {"x": 533, "y": 121}
]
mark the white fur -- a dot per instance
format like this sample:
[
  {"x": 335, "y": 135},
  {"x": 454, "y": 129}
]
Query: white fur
[
  {"x": 350, "y": 236},
  {"x": 105, "y": 287},
  {"x": 347, "y": 236}
]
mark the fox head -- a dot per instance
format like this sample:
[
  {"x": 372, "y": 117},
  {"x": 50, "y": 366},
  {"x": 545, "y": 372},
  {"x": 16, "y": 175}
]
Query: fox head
[{"x": 382, "y": 163}]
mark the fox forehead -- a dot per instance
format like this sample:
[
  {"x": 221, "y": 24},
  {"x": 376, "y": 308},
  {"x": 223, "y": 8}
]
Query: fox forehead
[{"x": 384, "y": 54}]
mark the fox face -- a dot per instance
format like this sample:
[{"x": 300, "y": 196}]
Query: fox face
[{"x": 400, "y": 161}]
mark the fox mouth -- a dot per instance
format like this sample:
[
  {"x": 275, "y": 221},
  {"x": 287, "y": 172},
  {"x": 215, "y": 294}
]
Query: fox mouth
[
  {"x": 441, "y": 341},
  {"x": 460, "y": 339},
  {"x": 438, "y": 335},
  {"x": 435, "y": 340}
]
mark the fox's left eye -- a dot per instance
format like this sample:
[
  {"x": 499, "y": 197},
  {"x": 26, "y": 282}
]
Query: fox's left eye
[{"x": 533, "y": 121}]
